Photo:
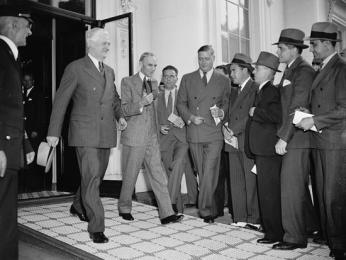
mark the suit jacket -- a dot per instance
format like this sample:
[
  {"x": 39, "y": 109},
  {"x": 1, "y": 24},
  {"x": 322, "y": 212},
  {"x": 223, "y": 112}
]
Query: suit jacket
[
  {"x": 196, "y": 99},
  {"x": 96, "y": 105},
  {"x": 11, "y": 108},
  {"x": 263, "y": 126},
  {"x": 238, "y": 112},
  {"x": 328, "y": 104},
  {"x": 294, "y": 95},
  {"x": 162, "y": 115},
  {"x": 139, "y": 122}
]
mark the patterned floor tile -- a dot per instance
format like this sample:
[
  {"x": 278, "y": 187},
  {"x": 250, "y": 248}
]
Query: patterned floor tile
[
  {"x": 172, "y": 255},
  {"x": 147, "y": 247},
  {"x": 186, "y": 237},
  {"x": 217, "y": 257},
  {"x": 142, "y": 224},
  {"x": 163, "y": 230},
  {"x": 227, "y": 239},
  {"x": 193, "y": 250},
  {"x": 127, "y": 239},
  {"x": 167, "y": 241},
  {"x": 125, "y": 253},
  {"x": 145, "y": 234},
  {"x": 252, "y": 248},
  {"x": 211, "y": 244},
  {"x": 283, "y": 254},
  {"x": 313, "y": 257},
  {"x": 237, "y": 253},
  {"x": 201, "y": 232}
]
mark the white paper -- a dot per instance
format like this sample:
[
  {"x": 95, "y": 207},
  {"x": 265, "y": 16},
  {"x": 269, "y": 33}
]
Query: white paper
[
  {"x": 233, "y": 142},
  {"x": 173, "y": 119},
  {"x": 217, "y": 120},
  {"x": 254, "y": 169},
  {"x": 286, "y": 82},
  {"x": 299, "y": 115}
]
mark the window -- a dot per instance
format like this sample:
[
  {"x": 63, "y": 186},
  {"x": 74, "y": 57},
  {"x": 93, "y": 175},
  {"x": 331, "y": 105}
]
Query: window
[{"x": 234, "y": 28}]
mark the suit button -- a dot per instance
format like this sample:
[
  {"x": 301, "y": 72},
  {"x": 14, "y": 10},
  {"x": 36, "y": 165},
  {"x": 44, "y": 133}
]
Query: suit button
[
  {"x": 240, "y": 107},
  {"x": 8, "y": 137},
  {"x": 101, "y": 118},
  {"x": 236, "y": 118},
  {"x": 321, "y": 89},
  {"x": 318, "y": 105}
]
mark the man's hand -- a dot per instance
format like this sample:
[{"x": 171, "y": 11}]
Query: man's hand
[
  {"x": 306, "y": 123},
  {"x": 197, "y": 120},
  {"x": 179, "y": 122},
  {"x": 52, "y": 141},
  {"x": 216, "y": 112},
  {"x": 122, "y": 124},
  {"x": 30, "y": 157},
  {"x": 164, "y": 129},
  {"x": 252, "y": 111},
  {"x": 146, "y": 100},
  {"x": 3, "y": 163},
  {"x": 227, "y": 133},
  {"x": 280, "y": 147}
]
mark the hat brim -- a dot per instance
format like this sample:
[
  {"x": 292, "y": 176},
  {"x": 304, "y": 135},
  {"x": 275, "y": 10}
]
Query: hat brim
[
  {"x": 324, "y": 39},
  {"x": 303, "y": 46},
  {"x": 255, "y": 63}
]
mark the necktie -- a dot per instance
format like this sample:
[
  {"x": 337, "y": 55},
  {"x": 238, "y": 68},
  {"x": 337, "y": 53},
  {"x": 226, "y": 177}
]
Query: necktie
[
  {"x": 239, "y": 90},
  {"x": 204, "y": 79},
  {"x": 147, "y": 85},
  {"x": 170, "y": 103},
  {"x": 101, "y": 68}
]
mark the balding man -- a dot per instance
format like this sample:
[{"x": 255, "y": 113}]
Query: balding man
[
  {"x": 92, "y": 129},
  {"x": 14, "y": 29}
]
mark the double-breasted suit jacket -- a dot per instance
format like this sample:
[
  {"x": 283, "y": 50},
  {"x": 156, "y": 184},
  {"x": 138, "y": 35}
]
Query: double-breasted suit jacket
[{"x": 328, "y": 104}]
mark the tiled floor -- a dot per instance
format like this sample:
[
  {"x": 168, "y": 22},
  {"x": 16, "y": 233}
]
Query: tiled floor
[{"x": 146, "y": 238}]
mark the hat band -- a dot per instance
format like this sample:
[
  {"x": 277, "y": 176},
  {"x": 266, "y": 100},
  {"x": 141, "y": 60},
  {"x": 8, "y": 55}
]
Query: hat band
[
  {"x": 290, "y": 40},
  {"x": 323, "y": 35},
  {"x": 239, "y": 61}
]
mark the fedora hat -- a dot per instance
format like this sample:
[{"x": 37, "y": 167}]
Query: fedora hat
[
  {"x": 45, "y": 155},
  {"x": 15, "y": 11},
  {"x": 324, "y": 31},
  {"x": 242, "y": 60},
  {"x": 269, "y": 60},
  {"x": 293, "y": 37}
]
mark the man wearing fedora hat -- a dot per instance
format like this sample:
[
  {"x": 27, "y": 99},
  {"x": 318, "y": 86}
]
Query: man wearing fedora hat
[
  {"x": 328, "y": 105},
  {"x": 261, "y": 129},
  {"x": 294, "y": 143},
  {"x": 14, "y": 29},
  {"x": 243, "y": 182}
]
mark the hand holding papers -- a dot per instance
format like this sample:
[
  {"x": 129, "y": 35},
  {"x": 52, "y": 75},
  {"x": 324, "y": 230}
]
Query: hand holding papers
[
  {"x": 217, "y": 113},
  {"x": 229, "y": 138},
  {"x": 176, "y": 120},
  {"x": 307, "y": 124}
]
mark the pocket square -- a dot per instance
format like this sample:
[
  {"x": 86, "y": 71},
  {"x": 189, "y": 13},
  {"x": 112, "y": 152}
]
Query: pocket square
[{"x": 286, "y": 82}]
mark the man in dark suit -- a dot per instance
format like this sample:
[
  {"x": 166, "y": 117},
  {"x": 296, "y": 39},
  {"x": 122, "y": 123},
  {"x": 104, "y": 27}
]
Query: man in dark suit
[
  {"x": 202, "y": 100},
  {"x": 243, "y": 182},
  {"x": 15, "y": 27},
  {"x": 92, "y": 130},
  {"x": 140, "y": 141},
  {"x": 328, "y": 106},
  {"x": 293, "y": 143},
  {"x": 265, "y": 119},
  {"x": 173, "y": 145}
]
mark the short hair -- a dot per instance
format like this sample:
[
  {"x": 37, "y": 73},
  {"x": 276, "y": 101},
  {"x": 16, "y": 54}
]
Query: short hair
[
  {"x": 207, "y": 48},
  {"x": 5, "y": 24},
  {"x": 223, "y": 68},
  {"x": 146, "y": 54},
  {"x": 93, "y": 34},
  {"x": 170, "y": 67},
  {"x": 299, "y": 49}
]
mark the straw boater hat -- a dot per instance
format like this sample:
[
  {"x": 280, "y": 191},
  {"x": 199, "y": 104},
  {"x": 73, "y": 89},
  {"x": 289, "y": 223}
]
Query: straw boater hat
[
  {"x": 293, "y": 37},
  {"x": 15, "y": 11},
  {"x": 243, "y": 60},
  {"x": 324, "y": 31},
  {"x": 269, "y": 60},
  {"x": 45, "y": 156}
]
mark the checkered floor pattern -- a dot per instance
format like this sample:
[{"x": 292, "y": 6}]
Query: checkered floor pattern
[
  {"x": 42, "y": 194},
  {"x": 146, "y": 239}
]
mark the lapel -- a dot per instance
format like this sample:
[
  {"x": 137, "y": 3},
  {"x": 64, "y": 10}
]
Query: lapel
[
  {"x": 91, "y": 69},
  {"x": 204, "y": 91},
  {"x": 325, "y": 71},
  {"x": 259, "y": 93},
  {"x": 247, "y": 88},
  {"x": 108, "y": 84},
  {"x": 138, "y": 84},
  {"x": 11, "y": 56}
]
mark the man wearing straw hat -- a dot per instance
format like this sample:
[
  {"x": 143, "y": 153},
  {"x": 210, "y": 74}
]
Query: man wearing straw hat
[
  {"x": 294, "y": 144},
  {"x": 328, "y": 105},
  {"x": 261, "y": 130}
]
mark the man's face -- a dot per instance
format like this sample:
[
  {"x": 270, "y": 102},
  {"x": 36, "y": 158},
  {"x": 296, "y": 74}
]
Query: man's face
[
  {"x": 100, "y": 46},
  {"x": 205, "y": 60},
  {"x": 261, "y": 74},
  {"x": 149, "y": 65},
  {"x": 319, "y": 49},
  {"x": 22, "y": 29},
  {"x": 169, "y": 78},
  {"x": 238, "y": 74},
  {"x": 285, "y": 54},
  {"x": 28, "y": 82}
]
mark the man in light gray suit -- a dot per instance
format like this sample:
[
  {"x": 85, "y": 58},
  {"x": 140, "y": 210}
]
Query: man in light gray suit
[
  {"x": 202, "y": 100},
  {"x": 92, "y": 130},
  {"x": 140, "y": 141}
]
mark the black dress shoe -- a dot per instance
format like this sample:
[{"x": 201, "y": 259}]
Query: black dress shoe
[
  {"x": 98, "y": 237},
  {"x": 320, "y": 240},
  {"x": 126, "y": 216},
  {"x": 208, "y": 219},
  {"x": 266, "y": 241},
  {"x": 171, "y": 219},
  {"x": 81, "y": 216},
  {"x": 288, "y": 246}
]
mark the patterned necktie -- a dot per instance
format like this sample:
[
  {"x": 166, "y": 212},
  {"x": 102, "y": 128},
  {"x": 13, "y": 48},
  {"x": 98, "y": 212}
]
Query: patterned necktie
[
  {"x": 204, "y": 79},
  {"x": 146, "y": 85},
  {"x": 170, "y": 103}
]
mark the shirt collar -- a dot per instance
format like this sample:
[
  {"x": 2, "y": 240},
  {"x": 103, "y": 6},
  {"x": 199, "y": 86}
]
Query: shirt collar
[
  {"x": 242, "y": 85},
  {"x": 209, "y": 73},
  {"x": 12, "y": 46},
  {"x": 94, "y": 60},
  {"x": 290, "y": 64},
  {"x": 261, "y": 86},
  {"x": 142, "y": 76},
  {"x": 326, "y": 60}
]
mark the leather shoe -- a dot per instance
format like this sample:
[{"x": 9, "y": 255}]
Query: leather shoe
[
  {"x": 81, "y": 216},
  {"x": 253, "y": 227},
  {"x": 98, "y": 237},
  {"x": 319, "y": 240},
  {"x": 266, "y": 241},
  {"x": 209, "y": 219},
  {"x": 288, "y": 246},
  {"x": 172, "y": 219},
  {"x": 126, "y": 216}
]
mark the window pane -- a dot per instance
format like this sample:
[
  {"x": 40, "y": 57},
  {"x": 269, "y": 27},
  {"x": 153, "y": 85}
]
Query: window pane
[
  {"x": 78, "y": 6},
  {"x": 244, "y": 3},
  {"x": 244, "y": 23},
  {"x": 245, "y": 46},
  {"x": 233, "y": 46},
  {"x": 224, "y": 17},
  {"x": 232, "y": 11},
  {"x": 224, "y": 46},
  {"x": 235, "y": 1}
]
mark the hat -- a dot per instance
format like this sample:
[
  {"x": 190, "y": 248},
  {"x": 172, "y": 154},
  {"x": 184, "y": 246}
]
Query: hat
[
  {"x": 324, "y": 31},
  {"x": 45, "y": 155},
  {"x": 269, "y": 60},
  {"x": 15, "y": 11},
  {"x": 243, "y": 60},
  {"x": 293, "y": 37}
]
